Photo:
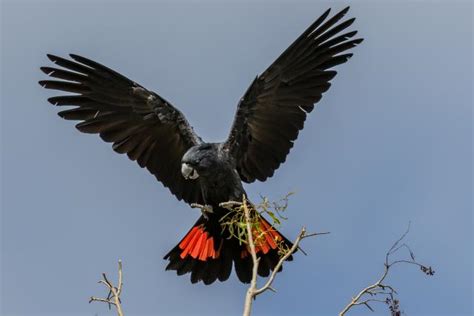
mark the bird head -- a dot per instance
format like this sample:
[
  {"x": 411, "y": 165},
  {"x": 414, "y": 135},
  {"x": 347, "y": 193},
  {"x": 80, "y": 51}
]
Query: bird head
[{"x": 198, "y": 161}]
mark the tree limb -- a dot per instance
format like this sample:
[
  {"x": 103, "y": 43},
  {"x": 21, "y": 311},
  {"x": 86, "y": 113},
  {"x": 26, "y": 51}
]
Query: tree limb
[
  {"x": 113, "y": 298},
  {"x": 379, "y": 288},
  {"x": 253, "y": 291}
]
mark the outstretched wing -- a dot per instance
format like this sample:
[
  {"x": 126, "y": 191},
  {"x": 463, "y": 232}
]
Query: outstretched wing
[
  {"x": 273, "y": 110},
  {"x": 137, "y": 121}
]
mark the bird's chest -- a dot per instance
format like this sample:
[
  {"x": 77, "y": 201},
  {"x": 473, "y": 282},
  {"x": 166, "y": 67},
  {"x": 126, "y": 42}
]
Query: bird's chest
[{"x": 221, "y": 185}]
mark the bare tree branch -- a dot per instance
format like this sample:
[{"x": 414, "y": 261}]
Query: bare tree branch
[
  {"x": 253, "y": 291},
  {"x": 245, "y": 217},
  {"x": 113, "y": 297},
  {"x": 379, "y": 288},
  {"x": 270, "y": 280}
]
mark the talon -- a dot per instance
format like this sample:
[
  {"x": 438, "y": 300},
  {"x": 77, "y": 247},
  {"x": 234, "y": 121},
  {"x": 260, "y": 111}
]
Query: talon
[{"x": 205, "y": 209}]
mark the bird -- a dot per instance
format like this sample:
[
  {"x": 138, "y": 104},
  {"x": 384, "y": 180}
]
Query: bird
[{"x": 151, "y": 131}]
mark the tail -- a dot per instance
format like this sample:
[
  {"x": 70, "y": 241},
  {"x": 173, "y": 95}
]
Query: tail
[{"x": 208, "y": 253}]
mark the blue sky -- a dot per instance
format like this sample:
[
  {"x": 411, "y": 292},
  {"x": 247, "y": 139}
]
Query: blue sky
[{"x": 389, "y": 143}]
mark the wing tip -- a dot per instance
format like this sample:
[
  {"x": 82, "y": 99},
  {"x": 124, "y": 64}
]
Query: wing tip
[
  {"x": 47, "y": 70},
  {"x": 76, "y": 57},
  {"x": 83, "y": 127},
  {"x": 350, "y": 21},
  {"x": 53, "y": 100},
  {"x": 326, "y": 13},
  {"x": 342, "y": 14},
  {"x": 53, "y": 58}
]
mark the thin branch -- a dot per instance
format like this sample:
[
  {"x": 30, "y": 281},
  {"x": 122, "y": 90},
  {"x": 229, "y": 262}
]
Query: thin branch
[
  {"x": 394, "y": 248},
  {"x": 113, "y": 297},
  {"x": 368, "y": 290},
  {"x": 270, "y": 280},
  {"x": 314, "y": 234},
  {"x": 379, "y": 287},
  {"x": 98, "y": 299}
]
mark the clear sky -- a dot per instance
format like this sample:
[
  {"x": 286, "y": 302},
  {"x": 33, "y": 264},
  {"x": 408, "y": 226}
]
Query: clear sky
[{"x": 391, "y": 142}]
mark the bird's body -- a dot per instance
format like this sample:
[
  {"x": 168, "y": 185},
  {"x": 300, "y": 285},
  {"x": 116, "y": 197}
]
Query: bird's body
[
  {"x": 151, "y": 131},
  {"x": 220, "y": 182}
]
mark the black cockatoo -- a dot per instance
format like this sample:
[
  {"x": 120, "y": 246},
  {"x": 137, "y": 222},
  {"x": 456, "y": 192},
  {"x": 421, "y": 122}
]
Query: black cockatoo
[{"x": 151, "y": 131}]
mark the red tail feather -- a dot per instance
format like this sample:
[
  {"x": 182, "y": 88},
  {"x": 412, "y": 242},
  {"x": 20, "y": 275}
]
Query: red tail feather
[
  {"x": 265, "y": 238},
  {"x": 198, "y": 244},
  {"x": 208, "y": 254}
]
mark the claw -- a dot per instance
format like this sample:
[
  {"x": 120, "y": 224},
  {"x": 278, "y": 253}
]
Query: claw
[{"x": 205, "y": 209}]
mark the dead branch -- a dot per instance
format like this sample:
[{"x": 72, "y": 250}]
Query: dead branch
[
  {"x": 113, "y": 297},
  {"x": 368, "y": 294}
]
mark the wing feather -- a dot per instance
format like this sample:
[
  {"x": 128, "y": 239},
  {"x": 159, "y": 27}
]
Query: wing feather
[
  {"x": 137, "y": 121},
  {"x": 274, "y": 108}
]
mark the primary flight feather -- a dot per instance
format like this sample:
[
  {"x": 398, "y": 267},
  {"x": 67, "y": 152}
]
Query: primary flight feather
[{"x": 151, "y": 131}]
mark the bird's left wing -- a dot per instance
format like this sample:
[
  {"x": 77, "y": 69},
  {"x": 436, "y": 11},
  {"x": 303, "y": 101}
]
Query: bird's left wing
[
  {"x": 137, "y": 121},
  {"x": 273, "y": 110}
]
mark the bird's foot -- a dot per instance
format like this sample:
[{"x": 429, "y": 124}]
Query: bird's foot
[{"x": 205, "y": 209}]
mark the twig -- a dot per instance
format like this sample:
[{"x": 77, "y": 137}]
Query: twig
[
  {"x": 270, "y": 280},
  {"x": 113, "y": 298},
  {"x": 379, "y": 288}
]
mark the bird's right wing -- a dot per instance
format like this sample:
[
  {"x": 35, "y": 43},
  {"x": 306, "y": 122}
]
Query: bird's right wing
[
  {"x": 273, "y": 110},
  {"x": 137, "y": 121}
]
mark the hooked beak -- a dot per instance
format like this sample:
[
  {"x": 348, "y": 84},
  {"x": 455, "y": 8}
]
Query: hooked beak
[{"x": 188, "y": 172}]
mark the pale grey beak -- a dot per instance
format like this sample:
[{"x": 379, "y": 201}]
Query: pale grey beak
[{"x": 188, "y": 172}]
